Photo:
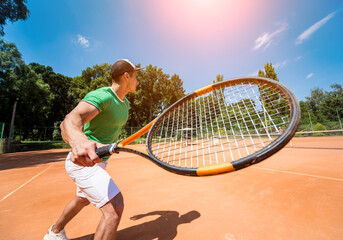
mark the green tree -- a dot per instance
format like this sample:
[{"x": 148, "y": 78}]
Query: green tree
[
  {"x": 90, "y": 79},
  {"x": 219, "y": 78},
  {"x": 322, "y": 106},
  {"x": 149, "y": 94},
  {"x": 319, "y": 127},
  {"x": 34, "y": 97},
  {"x": 12, "y": 10},
  {"x": 59, "y": 85},
  {"x": 20, "y": 81},
  {"x": 315, "y": 104},
  {"x": 173, "y": 91},
  {"x": 10, "y": 58},
  {"x": 268, "y": 72},
  {"x": 270, "y": 99},
  {"x": 332, "y": 104},
  {"x": 156, "y": 92}
]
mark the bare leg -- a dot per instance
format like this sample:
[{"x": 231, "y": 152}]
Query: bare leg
[
  {"x": 111, "y": 214},
  {"x": 70, "y": 211}
]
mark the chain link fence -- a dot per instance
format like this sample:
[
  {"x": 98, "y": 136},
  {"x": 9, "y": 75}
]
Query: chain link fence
[
  {"x": 39, "y": 138},
  {"x": 309, "y": 124},
  {"x": 25, "y": 138}
]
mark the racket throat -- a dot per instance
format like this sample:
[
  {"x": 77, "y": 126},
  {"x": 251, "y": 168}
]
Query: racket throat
[{"x": 113, "y": 148}]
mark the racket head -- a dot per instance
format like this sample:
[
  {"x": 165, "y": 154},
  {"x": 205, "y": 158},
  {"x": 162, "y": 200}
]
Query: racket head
[{"x": 224, "y": 127}]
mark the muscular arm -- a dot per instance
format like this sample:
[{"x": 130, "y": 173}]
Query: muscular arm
[{"x": 83, "y": 149}]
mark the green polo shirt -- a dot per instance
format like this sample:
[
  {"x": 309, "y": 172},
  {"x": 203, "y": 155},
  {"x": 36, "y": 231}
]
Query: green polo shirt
[{"x": 105, "y": 127}]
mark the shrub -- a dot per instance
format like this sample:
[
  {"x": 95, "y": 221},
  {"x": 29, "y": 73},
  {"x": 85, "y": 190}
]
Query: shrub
[{"x": 319, "y": 127}]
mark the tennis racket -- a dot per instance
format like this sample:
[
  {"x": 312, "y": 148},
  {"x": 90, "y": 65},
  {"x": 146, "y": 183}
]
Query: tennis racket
[{"x": 220, "y": 128}]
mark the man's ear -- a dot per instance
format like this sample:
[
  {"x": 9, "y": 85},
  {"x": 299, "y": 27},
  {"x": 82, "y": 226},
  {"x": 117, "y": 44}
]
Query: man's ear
[{"x": 126, "y": 75}]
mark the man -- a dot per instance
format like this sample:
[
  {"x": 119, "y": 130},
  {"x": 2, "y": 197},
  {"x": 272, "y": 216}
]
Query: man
[{"x": 95, "y": 121}]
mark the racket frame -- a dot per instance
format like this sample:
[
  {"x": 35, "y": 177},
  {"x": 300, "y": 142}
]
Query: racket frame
[{"x": 253, "y": 158}]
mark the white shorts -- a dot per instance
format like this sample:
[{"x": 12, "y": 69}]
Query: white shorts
[{"x": 93, "y": 183}]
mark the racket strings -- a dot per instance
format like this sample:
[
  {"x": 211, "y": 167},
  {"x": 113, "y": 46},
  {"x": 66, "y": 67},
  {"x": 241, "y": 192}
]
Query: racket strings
[{"x": 222, "y": 126}]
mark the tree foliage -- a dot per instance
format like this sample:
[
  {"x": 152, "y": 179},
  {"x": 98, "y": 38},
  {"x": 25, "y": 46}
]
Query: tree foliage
[
  {"x": 219, "y": 78},
  {"x": 322, "y": 107},
  {"x": 269, "y": 98},
  {"x": 12, "y": 10},
  {"x": 90, "y": 79},
  {"x": 319, "y": 127},
  {"x": 31, "y": 92},
  {"x": 332, "y": 101},
  {"x": 156, "y": 92},
  {"x": 268, "y": 72},
  {"x": 59, "y": 85},
  {"x": 40, "y": 93},
  {"x": 10, "y": 58}
]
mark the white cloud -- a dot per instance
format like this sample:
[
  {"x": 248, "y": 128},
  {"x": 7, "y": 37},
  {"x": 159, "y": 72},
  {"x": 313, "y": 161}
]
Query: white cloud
[
  {"x": 83, "y": 41},
  {"x": 280, "y": 64},
  {"x": 277, "y": 65},
  {"x": 309, "y": 76},
  {"x": 253, "y": 74},
  {"x": 308, "y": 32},
  {"x": 266, "y": 39},
  {"x": 298, "y": 58}
]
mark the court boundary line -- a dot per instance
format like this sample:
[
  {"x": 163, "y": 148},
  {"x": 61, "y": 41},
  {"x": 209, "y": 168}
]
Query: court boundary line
[
  {"x": 297, "y": 173},
  {"x": 24, "y": 184}
]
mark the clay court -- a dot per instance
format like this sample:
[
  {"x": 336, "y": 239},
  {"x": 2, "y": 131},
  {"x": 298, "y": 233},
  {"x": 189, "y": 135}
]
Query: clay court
[{"x": 295, "y": 194}]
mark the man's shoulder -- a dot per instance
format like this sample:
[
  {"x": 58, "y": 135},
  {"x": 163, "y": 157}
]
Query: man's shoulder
[
  {"x": 98, "y": 97},
  {"x": 102, "y": 92}
]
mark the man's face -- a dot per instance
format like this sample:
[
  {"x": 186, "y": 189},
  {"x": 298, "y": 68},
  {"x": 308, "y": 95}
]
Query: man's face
[{"x": 133, "y": 82}]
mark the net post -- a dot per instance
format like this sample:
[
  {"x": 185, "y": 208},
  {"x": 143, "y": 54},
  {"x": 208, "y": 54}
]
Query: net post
[
  {"x": 310, "y": 120},
  {"x": 2, "y": 134},
  {"x": 339, "y": 119},
  {"x": 12, "y": 125}
]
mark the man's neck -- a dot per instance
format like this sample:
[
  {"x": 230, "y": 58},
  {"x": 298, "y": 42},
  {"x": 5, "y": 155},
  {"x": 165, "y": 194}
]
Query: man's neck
[{"x": 119, "y": 90}]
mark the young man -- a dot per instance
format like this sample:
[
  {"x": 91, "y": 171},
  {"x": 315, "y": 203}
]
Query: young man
[{"x": 95, "y": 121}]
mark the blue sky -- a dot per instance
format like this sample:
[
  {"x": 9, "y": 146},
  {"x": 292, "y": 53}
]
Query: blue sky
[{"x": 196, "y": 39}]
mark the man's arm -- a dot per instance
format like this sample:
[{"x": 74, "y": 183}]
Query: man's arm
[{"x": 83, "y": 149}]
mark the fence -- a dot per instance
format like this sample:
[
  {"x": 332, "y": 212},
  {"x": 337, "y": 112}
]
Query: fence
[
  {"x": 52, "y": 134},
  {"x": 45, "y": 137},
  {"x": 309, "y": 124}
]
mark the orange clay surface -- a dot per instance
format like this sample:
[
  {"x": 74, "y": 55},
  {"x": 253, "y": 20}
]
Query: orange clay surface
[{"x": 295, "y": 194}]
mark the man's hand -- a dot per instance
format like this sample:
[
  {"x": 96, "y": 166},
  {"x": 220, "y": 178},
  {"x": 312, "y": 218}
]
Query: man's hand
[{"x": 83, "y": 153}]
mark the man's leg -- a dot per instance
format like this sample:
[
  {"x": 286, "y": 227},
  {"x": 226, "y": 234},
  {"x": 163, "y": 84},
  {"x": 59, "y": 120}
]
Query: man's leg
[
  {"x": 70, "y": 211},
  {"x": 111, "y": 214}
]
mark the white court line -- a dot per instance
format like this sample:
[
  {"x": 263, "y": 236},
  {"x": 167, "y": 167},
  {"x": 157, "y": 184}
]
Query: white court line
[
  {"x": 302, "y": 174},
  {"x": 24, "y": 184}
]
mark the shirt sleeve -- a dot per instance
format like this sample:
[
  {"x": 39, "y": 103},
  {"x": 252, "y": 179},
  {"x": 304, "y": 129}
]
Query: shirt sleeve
[{"x": 95, "y": 99}]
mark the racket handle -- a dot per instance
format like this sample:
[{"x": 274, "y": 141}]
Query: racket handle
[{"x": 106, "y": 150}]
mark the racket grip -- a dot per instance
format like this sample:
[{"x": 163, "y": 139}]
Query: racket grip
[{"x": 106, "y": 150}]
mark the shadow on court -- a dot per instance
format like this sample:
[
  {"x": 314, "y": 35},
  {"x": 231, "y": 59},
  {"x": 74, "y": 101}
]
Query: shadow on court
[
  {"x": 32, "y": 158},
  {"x": 162, "y": 228},
  {"x": 315, "y": 147}
]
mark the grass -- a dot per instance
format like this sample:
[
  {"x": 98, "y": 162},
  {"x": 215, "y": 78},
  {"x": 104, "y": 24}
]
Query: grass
[
  {"x": 40, "y": 145},
  {"x": 22, "y": 146}
]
